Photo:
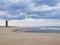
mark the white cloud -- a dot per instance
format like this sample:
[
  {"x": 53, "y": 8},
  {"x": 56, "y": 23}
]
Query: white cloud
[
  {"x": 12, "y": 1},
  {"x": 40, "y": 8},
  {"x": 2, "y": 23},
  {"x": 14, "y": 16},
  {"x": 6, "y": 13},
  {"x": 57, "y": 6},
  {"x": 16, "y": 1},
  {"x": 32, "y": 22},
  {"x": 32, "y": 7},
  {"x": 3, "y": 13},
  {"x": 35, "y": 22}
]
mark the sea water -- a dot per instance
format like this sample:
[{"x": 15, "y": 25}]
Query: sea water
[{"x": 42, "y": 30}]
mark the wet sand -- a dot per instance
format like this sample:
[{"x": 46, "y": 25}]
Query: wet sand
[{"x": 7, "y": 37}]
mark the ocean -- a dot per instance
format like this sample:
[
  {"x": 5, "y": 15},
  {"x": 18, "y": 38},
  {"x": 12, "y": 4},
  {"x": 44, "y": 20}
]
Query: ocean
[{"x": 43, "y": 29}]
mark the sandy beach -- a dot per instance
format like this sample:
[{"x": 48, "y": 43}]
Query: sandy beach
[{"x": 8, "y": 37}]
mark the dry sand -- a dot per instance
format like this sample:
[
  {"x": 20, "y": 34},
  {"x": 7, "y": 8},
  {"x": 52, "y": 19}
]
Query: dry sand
[{"x": 15, "y": 38}]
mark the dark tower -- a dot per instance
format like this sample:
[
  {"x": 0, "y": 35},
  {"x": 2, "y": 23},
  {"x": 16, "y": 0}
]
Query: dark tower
[{"x": 6, "y": 23}]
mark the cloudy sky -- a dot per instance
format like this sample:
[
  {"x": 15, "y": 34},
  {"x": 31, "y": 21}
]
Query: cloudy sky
[{"x": 30, "y": 12}]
